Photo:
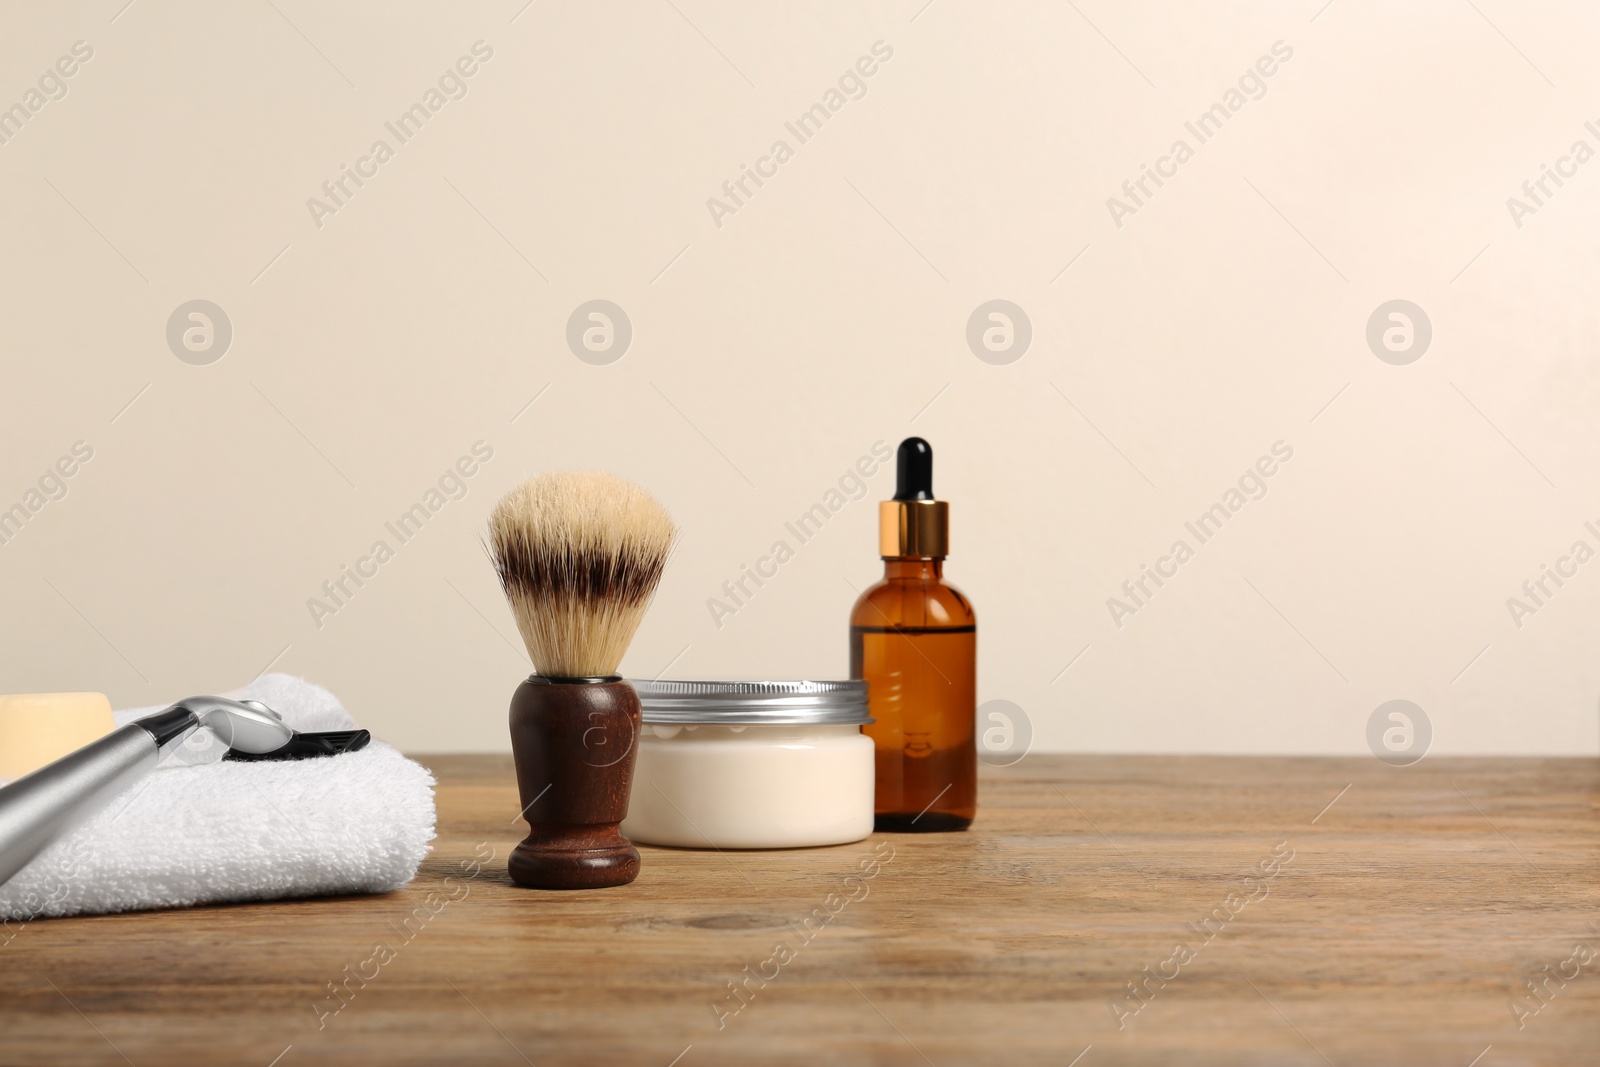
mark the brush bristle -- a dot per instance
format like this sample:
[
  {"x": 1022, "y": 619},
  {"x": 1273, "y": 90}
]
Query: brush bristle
[{"x": 579, "y": 554}]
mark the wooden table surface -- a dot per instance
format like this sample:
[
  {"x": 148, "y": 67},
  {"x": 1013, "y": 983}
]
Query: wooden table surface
[{"x": 1358, "y": 914}]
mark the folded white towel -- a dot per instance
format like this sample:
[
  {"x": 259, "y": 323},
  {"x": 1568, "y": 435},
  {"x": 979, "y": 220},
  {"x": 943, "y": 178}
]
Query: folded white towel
[{"x": 199, "y": 831}]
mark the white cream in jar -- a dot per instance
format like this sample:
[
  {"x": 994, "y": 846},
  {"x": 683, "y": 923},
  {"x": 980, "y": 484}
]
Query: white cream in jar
[{"x": 751, "y": 765}]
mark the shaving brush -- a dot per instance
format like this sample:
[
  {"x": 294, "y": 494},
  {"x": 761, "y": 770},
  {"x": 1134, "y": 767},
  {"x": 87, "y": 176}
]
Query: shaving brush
[{"x": 579, "y": 555}]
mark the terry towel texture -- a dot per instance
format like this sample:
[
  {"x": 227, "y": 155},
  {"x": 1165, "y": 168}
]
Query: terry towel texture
[{"x": 200, "y": 831}]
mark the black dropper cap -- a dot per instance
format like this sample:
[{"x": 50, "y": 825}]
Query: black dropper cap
[
  {"x": 914, "y": 470},
  {"x": 914, "y": 525}
]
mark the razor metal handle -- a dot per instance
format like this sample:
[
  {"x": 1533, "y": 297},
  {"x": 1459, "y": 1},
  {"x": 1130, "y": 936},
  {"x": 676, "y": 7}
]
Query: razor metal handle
[{"x": 40, "y": 807}]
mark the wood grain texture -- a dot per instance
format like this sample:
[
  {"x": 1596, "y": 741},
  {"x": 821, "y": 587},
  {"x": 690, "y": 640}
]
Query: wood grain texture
[{"x": 1398, "y": 933}]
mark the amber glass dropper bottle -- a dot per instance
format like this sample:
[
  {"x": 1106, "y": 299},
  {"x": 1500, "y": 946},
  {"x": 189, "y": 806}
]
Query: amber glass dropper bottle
[{"x": 915, "y": 640}]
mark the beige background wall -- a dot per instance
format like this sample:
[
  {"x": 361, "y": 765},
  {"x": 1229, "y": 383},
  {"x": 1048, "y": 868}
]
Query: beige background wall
[{"x": 828, "y": 312}]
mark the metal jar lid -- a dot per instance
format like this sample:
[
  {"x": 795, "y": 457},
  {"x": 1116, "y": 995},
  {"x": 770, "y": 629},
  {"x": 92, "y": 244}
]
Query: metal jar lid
[{"x": 754, "y": 703}]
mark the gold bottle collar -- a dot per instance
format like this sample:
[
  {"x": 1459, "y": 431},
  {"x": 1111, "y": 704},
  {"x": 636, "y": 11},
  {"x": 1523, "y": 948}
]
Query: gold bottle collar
[{"x": 915, "y": 529}]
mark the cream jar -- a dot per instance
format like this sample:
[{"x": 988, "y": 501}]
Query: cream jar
[{"x": 751, "y": 765}]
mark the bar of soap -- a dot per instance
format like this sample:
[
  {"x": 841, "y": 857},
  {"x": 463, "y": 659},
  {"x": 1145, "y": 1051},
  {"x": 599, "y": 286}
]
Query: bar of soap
[{"x": 40, "y": 728}]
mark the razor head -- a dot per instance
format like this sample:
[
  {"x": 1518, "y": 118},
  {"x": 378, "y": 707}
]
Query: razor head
[
  {"x": 254, "y": 732},
  {"x": 244, "y": 725},
  {"x": 306, "y": 746}
]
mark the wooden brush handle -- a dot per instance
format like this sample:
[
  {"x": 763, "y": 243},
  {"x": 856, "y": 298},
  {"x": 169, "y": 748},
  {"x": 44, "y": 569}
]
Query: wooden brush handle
[{"x": 574, "y": 743}]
